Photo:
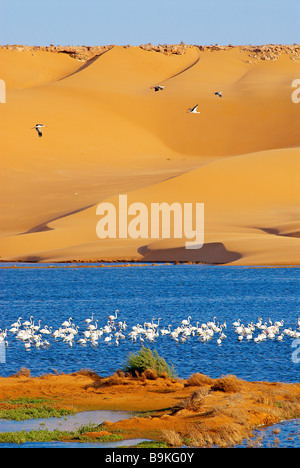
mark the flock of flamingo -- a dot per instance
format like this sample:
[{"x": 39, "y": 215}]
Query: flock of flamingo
[{"x": 114, "y": 331}]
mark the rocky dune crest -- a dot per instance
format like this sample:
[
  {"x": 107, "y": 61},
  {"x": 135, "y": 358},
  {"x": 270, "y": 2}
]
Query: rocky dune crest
[{"x": 262, "y": 52}]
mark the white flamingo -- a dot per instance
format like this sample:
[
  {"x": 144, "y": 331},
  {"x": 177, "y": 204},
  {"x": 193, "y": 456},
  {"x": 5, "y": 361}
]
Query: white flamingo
[
  {"x": 93, "y": 327},
  {"x": 67, "y": 323},
  {"x": 113, "y": 317},
  {"x": 28, "y": 323},
  {"x": 186, "y": 321},
  {"x": 89, "y": 320}
]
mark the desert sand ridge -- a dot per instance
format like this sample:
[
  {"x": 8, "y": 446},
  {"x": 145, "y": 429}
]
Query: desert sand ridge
[
  {"x": 265, "y": 52},
  {"x": 109, "y": 133}
]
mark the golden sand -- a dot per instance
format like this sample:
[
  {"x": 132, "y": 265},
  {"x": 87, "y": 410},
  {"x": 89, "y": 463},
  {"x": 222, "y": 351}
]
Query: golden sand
[
  {"x": 200, "y": 410},
  {"x": 109, "y": 133}
]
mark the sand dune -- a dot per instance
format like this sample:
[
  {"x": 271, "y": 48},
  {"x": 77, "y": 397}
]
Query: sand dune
[{"x": 109, "y": 133}]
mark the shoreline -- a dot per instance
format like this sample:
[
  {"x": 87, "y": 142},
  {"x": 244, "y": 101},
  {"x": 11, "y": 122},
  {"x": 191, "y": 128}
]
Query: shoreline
[
  {"x": 197, "y": 411},
  {"x": 133, "y": 263}
]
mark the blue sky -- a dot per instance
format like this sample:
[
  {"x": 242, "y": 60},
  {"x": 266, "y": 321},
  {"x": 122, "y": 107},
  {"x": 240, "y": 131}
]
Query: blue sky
[{"x": 98, "y": 22}]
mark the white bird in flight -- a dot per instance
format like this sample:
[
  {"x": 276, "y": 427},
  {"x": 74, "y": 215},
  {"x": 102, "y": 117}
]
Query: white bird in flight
[
  {"x": 38, "y": 129},
  {"x": 157, "y": 88},
  {"x": 193, "y": 110}
]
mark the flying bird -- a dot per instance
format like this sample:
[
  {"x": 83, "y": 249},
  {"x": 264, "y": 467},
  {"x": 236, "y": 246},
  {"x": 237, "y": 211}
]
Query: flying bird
[
  {"x": 157, "y": 88},
  {"x": 218, "y": 93},
  {"x": 38, "y": 129},
  {"x": 193, "y": 110}
]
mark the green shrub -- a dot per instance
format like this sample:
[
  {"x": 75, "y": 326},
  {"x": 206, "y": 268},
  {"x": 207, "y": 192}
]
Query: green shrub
[{"x": 144, "y": 360}]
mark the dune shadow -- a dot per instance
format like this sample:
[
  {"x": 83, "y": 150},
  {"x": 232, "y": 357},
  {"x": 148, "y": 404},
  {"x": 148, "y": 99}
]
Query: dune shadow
[
  {"x": 276, "y": 232},
  {"x": 182, "y": 71},
  {"x": 88, "y": 63},
  {"x": 31, "y": 259},
  {"x": 44, "y": 226},
  {"x": 213, "y": 253}
]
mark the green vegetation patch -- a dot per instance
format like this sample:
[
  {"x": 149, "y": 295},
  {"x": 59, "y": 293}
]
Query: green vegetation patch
[
  {"x": 20, "y": 437},
  {"x": 31, "y": 408},
  {"x": 151, "y": 444},
  {"x": 44, "y": 435}
]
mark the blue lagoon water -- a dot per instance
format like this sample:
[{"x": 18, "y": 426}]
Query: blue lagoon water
[
  {"x": 160, "y": 294},
  {"x": 171, "y": 293}
]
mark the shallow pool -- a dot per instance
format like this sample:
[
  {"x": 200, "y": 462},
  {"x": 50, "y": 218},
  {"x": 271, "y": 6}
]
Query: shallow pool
[{"x": 67, "y": 423}]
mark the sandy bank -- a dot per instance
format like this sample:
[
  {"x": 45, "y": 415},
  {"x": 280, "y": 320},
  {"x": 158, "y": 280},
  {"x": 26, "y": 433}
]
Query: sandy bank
[{"x": 201, "y": 410}]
